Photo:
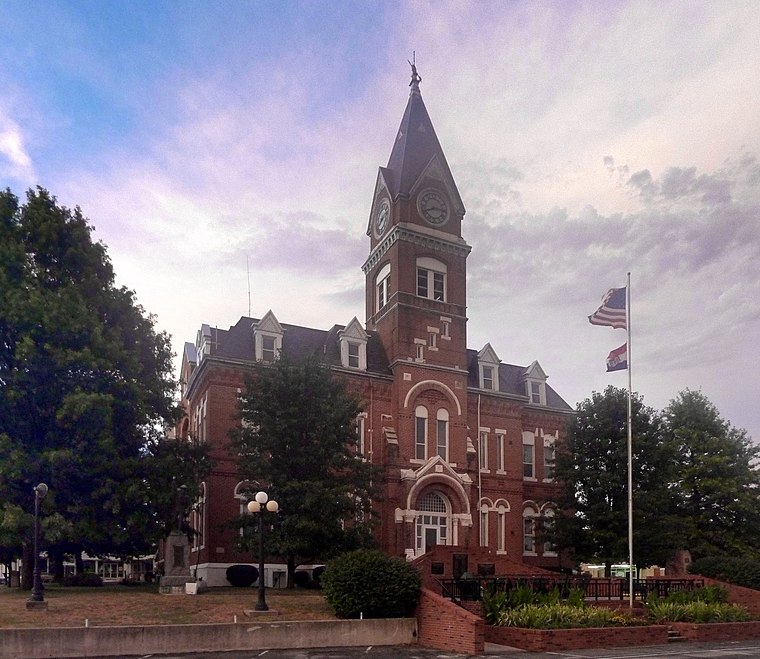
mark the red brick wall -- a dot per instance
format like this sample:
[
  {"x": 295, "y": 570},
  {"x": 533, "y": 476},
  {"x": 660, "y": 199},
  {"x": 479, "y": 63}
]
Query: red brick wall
[
  {"x": 719, "y": 631},
  {"x": 444, "y": 625},
  {"x": 747, "y": 597},
  {"x": 552, "y": 640}
]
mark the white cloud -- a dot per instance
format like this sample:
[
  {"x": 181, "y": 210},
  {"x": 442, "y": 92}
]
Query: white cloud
[{"x": 15, "y": 161}]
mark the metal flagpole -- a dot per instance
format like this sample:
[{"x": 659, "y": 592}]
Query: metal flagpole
[{"x": 630, "y": 445}]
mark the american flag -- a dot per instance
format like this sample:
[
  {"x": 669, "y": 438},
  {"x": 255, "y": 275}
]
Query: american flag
[{"x": 612, "y": 311}]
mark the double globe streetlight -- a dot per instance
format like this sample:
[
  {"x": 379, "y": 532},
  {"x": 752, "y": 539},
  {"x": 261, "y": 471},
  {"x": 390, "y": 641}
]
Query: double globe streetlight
[{"x": 260, "y": 503}]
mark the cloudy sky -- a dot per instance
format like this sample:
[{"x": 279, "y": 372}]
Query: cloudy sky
[{"x": 588, "y": 140}]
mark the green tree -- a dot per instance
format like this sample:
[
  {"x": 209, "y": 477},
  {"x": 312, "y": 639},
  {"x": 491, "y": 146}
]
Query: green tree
[
  {"x": 85, "y": 384},
  {"x": 719, "y": 482},
  {"x": 297, "y": 441},
  {"x": 592, "y": 467}
]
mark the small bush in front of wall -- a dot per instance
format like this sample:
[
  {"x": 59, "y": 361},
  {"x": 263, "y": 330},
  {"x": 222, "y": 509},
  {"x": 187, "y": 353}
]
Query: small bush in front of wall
[
  {"x": 242, "y": 576},
  {"x": 85, "y": 579},
  {"x": 664, "y": 611},
  {"x": 562, "y": 616},
  {"x": 371, "y": 584},
  {"x": 733, "y": 569}
]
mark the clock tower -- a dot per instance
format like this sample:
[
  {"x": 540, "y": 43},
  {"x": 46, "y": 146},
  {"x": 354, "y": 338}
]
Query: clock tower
[{"x": 416, "y": 269}]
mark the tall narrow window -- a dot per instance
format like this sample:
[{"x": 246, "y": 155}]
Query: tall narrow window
[
  {"x": 420, "y": 351},
  {"x": 360, "y": 426},
  {"x": 438, "y": 286},
  {"x": 483, "y": 450},
  {"x": 548, "y": 459},
  {"x": 500, "y": 452},
  {"x": 535, "y": 393},
  {"x": 383, "y": 286},
  {"x": 529, "y": 531},
  {"x": 442, "y": 440},
  {"x": 420, "y": 439},
  {"x": 528, "y": 454},
  {"x": 422, "y": 282},
  {"x": 484, "y": 526},
  {"x": 500, "y": 529},
  {"x": 548, "y": 526}
]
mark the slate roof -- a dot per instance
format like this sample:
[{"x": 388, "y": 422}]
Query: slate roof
[{"x": 237, "y": 343}]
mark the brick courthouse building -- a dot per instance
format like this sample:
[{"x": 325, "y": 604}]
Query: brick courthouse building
[{"x": 465, "y": 441}]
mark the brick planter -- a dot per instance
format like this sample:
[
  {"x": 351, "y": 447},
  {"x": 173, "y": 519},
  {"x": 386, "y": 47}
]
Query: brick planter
[
  {"x": 550, "y": 640},
  {"x": 718, "y": 631}
]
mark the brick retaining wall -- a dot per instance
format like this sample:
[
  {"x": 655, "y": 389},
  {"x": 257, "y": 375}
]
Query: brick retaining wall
[
  {"x": 554, "y": 640},
  {"x": 444, "y": 625},
  {"x": 718, "y": 631}
]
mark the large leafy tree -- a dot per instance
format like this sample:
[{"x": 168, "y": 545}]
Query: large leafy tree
[
  {"x": 719, "y": 482},
  {"x": 297, "y": 441},
  {"x": 85, "y": 386},
  {"x": 592, "y": 466}
]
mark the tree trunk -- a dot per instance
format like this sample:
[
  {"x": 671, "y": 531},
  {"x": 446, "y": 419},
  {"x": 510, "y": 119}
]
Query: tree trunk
[
  {"x": 78, "y": 562},
  {"x": 56, "y": 556},
  {"x": 608, "y": 570}
]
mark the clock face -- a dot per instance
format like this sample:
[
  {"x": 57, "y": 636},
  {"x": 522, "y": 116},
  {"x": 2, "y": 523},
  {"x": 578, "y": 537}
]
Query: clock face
[
  {"x": 433, "y": 207},
  {"x": 381, "y": 217}
]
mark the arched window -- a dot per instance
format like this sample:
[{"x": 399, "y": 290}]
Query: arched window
[
  {"x": 382, "y": 287},
  {"x": 420, "y": 432},
  {"x": 442, "y": 433},
  {"x": 547, "y": 522},
  {"x": 432, "y": 527},
  {"x": 198, "y": 519}
]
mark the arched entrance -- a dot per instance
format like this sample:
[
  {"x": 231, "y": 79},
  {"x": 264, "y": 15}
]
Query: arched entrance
[{"x": 433, "y": 521}]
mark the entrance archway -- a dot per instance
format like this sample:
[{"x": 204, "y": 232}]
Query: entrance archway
[{"x": 433, "y": 521}]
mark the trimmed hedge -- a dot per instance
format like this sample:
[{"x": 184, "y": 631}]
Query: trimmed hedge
[
  {"x": 87, "y": 579},
  {"x": 371, "y": 584},
  {"x": 732, "y": 569},
  {"x": 242, "y": 576}
]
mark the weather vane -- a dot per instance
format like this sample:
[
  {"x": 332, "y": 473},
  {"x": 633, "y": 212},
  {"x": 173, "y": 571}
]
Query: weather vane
[{"x": 416, "y": 77}]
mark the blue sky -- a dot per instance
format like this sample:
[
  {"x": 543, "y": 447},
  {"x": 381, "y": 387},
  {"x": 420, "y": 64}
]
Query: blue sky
[{"x": 588, "y": 139}]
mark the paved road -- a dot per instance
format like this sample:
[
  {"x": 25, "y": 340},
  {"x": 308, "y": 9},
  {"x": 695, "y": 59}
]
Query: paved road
[{"x": 723, "y": 650}]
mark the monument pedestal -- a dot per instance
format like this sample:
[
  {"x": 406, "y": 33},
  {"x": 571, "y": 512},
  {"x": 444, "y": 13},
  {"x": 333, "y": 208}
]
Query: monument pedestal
[{"x": 176, "y": 565}]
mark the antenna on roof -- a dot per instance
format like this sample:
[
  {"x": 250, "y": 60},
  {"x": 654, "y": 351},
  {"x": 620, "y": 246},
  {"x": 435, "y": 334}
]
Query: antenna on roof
[{"x": 248, "y": 272}]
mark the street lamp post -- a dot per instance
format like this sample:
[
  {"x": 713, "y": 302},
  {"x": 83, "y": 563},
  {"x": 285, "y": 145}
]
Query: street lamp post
[
  {"x": 261, "y": 502},
  {"x": 37, "y": 600}
]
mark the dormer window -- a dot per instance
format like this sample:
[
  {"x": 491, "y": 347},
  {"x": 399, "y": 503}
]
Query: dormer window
[
  {"x": 431, "y": 279},
  {"x": 488, "y": 368},
  {"x": 267, "y": 338},
  {"x": 535, "y": 384},
  {"x": 353, "y": 346}
]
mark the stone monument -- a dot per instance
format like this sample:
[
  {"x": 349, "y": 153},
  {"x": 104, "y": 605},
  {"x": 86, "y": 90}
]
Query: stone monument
[{"x": 177, "y": 553}]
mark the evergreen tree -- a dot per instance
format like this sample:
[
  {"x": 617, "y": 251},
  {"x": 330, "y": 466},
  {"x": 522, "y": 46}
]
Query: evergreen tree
[
  {"x": 297, "y": 441},
  {"x": 719, "y": 482}
]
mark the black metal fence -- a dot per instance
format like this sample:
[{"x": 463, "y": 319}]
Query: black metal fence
[{"x": 593, "y": 588}]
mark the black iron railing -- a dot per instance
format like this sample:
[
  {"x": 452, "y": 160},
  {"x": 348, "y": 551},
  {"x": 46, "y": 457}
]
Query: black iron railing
[{"x": 471, "y": 589}]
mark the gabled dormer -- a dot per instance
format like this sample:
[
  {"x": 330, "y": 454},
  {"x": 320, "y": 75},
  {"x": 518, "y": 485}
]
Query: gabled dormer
[
  {"x": 353, "y": 346},
  {"x": 488, "y": 368},
  {"x": 267, "y": 338},
  {"x": 535, "y": 384}
]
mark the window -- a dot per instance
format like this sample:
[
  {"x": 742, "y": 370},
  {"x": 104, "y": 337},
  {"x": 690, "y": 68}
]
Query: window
[
  {"x": 360, "y": 426},
  {"x": 431, "y": 279},
  {"x": 198, "y": 520},
  {"x": 484, "y": 526},
  {"x": 535, "y": 393},
  {"x": 432, "y": 527},
  {"x": 445, "y": 328},
  {"x": 499, "y": 451},
  {"x": 548, "y": 525},
  {"x": 420, "y": 433},
  {"x": 267, "y": 349},
  {"x": 433, "y": 340},
  {"x": 420, "y": 351},
  {"x": 528, "y": 460},
  {"x": 483, "y": 450},
  {"x": 500, "y": 529},
  {"x": 529, "y": 531},
  {"x": 442, "y": 439},
  {"x": 353, "y": 354},
  {"x": 383, "y": 286},
  {"x": 487, "y": 377},
  {"x": 548, "y": 458}
]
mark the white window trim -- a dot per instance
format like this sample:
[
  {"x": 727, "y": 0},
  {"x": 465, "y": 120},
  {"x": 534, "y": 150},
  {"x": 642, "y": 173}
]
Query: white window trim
[
  {"x": 501, "y": 456},
  {"x": 383, "y": 287},
  {"x": 431, "y": 266},
  {"x": 541, "y": 392},
  {"x": 549, "y": 441},
  {"x": 421, "y": 412},
  {"x": 483, "y": 450},
  {"x": 529, "y": 512},
  {"x": 529, "y": 439},
  {"x": 442, "y": 415}
]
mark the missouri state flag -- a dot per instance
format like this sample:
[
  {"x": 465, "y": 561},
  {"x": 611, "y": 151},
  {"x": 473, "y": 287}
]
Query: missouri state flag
[
  {"x": 617, "y": 360},
  {"x": 612, "y": 311}
]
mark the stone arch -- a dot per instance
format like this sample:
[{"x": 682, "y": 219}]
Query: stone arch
[
  {"x": 432, "y": 384},
  {"x": 449, "y": 486}
]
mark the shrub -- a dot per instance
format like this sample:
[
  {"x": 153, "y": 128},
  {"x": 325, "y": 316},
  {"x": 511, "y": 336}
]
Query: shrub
[
  {"x": 86, "y": 579},
  {"x": 736, "y": 570},
  {"x": 664, "y": 611},
  {"x": 371, "y": 584},
  {"x": 242, "y": 576},
  {"x": 301, "y": 578}
]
